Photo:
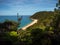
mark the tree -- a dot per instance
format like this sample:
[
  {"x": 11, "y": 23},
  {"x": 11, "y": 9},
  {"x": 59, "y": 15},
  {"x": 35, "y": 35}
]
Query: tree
[
  {"x": 18, "y": 19},
  {"x": 56, "y": 20}
]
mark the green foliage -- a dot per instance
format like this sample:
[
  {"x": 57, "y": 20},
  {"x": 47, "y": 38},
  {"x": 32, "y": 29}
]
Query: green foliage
[
  {"x": 45, "y": 18},
  {"x": 45, "y": 32},
  {"x": 8, "y": 26},
  {"x": 25, "y": 37},
  {"x": 13, "y": 33},
  {"x": 6, "y": 38}
]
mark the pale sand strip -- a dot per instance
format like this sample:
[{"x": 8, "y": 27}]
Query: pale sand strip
[{"x": 32, "y": 23}]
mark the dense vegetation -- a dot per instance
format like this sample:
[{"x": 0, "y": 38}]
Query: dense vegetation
[
  {"x": 44, "y": 18},
  {"x": 8, "y": 26},
  {"x": 32, "y": 36},
  {"x": 45, "y": 32}
]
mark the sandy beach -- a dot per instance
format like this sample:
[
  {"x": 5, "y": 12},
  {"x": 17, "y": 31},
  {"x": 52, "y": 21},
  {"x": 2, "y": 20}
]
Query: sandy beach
[{"x": 32, "y": 23}]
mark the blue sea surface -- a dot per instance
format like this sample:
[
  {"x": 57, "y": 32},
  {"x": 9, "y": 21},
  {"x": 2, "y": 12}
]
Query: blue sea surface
[{"x": 25, "y": 20}]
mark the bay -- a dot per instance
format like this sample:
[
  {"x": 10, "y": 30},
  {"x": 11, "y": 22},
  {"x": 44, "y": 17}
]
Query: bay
[{"x": 25, "y": 20}]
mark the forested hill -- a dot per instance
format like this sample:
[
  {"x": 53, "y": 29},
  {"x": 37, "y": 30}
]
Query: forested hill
[
  {"x": 43, "y": 15},
  {"x": 44, "y": 18}
]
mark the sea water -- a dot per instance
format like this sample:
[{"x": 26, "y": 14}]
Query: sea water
[{"x": 24, "y": 21}]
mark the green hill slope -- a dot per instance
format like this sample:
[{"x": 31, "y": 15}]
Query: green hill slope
[{"x": 44, "y": 19}]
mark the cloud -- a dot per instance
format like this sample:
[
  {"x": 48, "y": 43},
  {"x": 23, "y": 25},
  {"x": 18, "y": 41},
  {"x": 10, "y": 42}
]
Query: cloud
[
  {"x": 25, "y": 6},
  {"x": 12, "y": 3},
  {"x": 18, "y": 2}
]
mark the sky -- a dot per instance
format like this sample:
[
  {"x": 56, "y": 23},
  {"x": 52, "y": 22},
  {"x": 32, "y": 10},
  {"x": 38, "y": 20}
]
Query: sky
[{"x": 26, "y": 7}]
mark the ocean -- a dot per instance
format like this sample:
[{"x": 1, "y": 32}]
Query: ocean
[{"x": 25, "y": 20}]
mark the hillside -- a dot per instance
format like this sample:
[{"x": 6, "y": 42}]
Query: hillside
[
  {"x": 42, "y": 15},
  {"x": 44, "y": 19}
]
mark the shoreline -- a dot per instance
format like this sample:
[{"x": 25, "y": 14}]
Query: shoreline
[{"x": 32, "y": 23}]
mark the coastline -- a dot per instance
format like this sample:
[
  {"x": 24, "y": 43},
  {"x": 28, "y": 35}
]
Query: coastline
[{"x": 32, "y": 23}]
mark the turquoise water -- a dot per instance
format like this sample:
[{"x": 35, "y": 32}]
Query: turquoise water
[{"x": 25, "y": 20}]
